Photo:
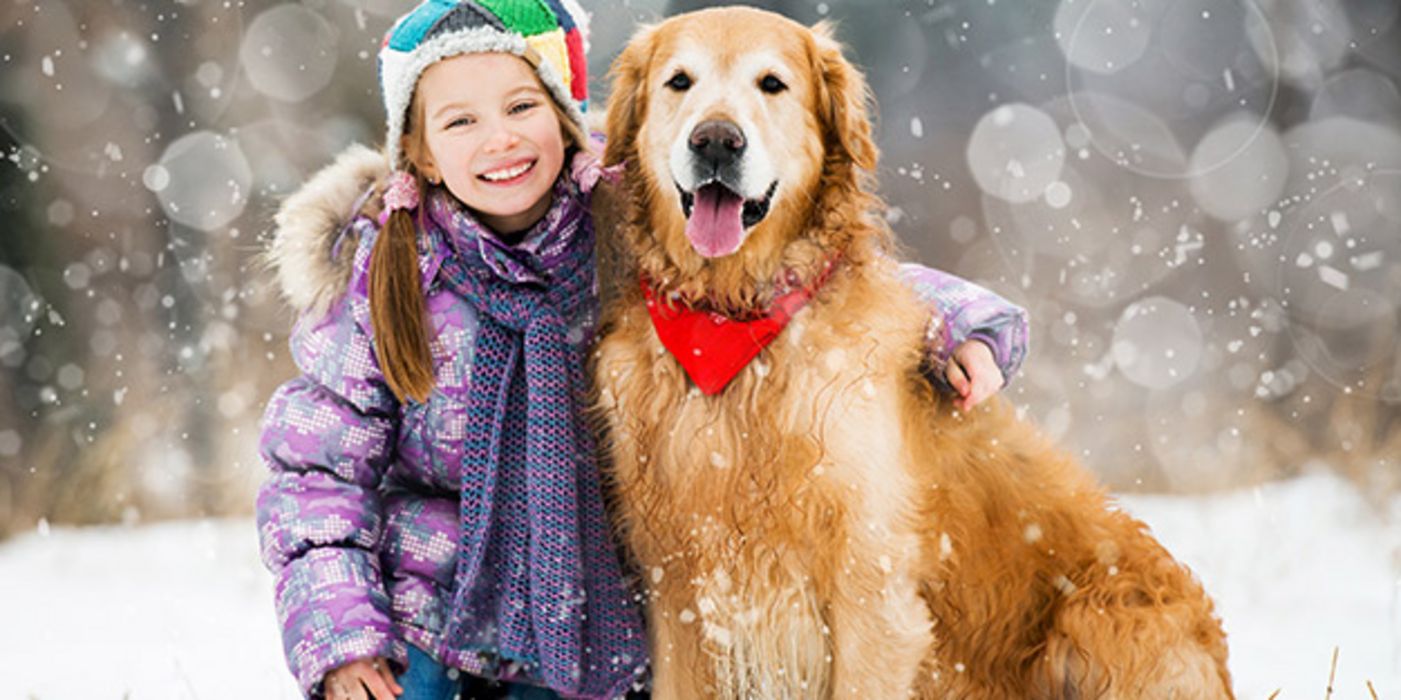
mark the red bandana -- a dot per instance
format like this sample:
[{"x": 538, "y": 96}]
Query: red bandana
[{"x": 713, "y": 348}]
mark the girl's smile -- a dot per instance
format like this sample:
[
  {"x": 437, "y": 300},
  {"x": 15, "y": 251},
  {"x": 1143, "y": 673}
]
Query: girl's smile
[{"x": 509, "y": 174}]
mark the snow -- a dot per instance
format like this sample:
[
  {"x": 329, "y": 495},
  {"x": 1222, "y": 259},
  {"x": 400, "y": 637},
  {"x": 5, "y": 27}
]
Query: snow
[
  {"x": 1296, "y": 568},
  {"x": 169, "y": 611},
  {"x": 184, "y": 609}
]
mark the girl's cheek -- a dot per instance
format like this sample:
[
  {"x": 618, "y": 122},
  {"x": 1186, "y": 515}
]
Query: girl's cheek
[{"x": 559, "y": 158}]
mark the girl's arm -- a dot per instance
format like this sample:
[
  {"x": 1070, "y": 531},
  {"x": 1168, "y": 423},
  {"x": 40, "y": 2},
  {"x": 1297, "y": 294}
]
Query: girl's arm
[
  {"x": 963, "y": 312},
  {"x": 327, "y": 438}
]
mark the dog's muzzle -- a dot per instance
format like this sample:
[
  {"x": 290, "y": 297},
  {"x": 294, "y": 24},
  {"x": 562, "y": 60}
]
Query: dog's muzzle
[{"x": 717, "y": 213}]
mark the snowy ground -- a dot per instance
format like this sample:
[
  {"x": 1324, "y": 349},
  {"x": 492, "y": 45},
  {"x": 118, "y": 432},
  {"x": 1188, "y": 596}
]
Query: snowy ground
[{"x": 183, "y": 610}]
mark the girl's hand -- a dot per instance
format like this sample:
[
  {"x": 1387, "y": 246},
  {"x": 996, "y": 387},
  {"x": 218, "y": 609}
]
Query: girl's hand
[
  {"x": 362, "y": 679},
  {"x": 973, "y": 373}
]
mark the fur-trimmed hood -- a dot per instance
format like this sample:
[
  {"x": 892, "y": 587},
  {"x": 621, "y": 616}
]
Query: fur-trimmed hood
[{"x": 301, "y": 256}]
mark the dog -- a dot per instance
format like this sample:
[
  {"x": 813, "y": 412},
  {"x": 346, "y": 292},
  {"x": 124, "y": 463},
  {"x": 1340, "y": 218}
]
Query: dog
[{"x": 822, "y": 524}]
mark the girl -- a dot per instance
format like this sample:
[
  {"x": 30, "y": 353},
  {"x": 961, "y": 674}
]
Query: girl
[{"x": 434, "y": 516}]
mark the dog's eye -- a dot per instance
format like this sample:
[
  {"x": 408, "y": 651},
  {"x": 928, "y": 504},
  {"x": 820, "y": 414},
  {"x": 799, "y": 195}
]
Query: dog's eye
[
  {"x": 679, "y": 82},
  {"x": 771, "y": 84}
]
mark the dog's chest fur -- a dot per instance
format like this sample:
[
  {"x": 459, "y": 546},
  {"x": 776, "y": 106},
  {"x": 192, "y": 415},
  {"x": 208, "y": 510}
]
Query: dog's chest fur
[{"x": 792, "y": 480}]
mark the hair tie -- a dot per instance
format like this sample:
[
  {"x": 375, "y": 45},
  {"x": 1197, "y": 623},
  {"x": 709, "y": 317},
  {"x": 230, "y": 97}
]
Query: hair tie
[
  {"x": 587, "y": 169},
  {"x": 402, "y": 192}
]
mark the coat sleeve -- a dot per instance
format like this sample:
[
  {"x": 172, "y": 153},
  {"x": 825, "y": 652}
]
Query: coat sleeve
[
  {"x": 327, "y": 438},
  {"x": 965, "y": 311}
]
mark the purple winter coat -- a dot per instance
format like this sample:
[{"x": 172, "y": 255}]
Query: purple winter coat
[{"x": 358, "y": 518}]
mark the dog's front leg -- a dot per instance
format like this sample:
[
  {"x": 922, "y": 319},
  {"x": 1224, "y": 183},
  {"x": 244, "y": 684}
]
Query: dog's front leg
[{"x": 881, "y": 629}]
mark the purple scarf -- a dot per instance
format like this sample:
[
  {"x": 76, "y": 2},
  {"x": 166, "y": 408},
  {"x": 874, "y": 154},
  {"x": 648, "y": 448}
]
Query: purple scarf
[{"x": 538, "y": 581}]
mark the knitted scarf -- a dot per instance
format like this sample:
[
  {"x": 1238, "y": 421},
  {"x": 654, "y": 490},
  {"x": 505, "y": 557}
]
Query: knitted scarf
[{"x": 538, "y": 581}]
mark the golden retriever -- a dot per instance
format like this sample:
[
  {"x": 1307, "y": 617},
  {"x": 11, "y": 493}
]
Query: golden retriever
[{"x": 826, "y": 525}]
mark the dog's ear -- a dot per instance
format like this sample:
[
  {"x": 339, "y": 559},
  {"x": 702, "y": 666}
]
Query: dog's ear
[
  {"x": 843, "y": 100},
  {"x": 628, "y": 99}
]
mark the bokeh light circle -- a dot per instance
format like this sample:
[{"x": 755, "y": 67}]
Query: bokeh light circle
[
  {"x": 207, "y": 180},
  {"x": 155, "y": 177},
  {"x": 122, "y": 58},
  {"x": 1015, "y": 153},
  {"x": 1105, "y": 36},
  {"x": 1302, "y": 40},
  {"x": 1248, "y": 180},
  {"x": 1058, "y": 195},
  {"x": 1157, "y": 343},
  {"x": 289, "y": 52}
]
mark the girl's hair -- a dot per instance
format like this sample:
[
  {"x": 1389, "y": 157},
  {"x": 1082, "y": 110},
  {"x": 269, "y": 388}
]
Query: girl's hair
[{"x": 398, "y": 315}]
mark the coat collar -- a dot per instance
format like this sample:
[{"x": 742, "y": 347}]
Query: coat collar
[{"x": 310, "y": 269}]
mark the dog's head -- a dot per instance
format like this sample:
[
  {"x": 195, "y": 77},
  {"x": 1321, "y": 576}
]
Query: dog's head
[{"x": 735, "y": 124}]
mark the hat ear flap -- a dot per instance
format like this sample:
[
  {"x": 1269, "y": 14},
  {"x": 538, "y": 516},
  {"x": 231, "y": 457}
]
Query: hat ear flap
[
  {"x": 843, "y": 100},
  {"x": 627, "y": 102}
]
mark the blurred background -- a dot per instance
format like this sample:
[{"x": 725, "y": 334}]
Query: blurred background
[{"x": 1197, "y": 201}]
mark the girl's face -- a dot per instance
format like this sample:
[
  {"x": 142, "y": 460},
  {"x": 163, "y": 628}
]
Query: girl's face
[{"x": 493, "y": 137}]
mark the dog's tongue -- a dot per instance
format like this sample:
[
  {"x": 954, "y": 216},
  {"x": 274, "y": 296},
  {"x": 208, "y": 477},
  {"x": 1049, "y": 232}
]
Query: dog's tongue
[{"x": 716, "y": 222}]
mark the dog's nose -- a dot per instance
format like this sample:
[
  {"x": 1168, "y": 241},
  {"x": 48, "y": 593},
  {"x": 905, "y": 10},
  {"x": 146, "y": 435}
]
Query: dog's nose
[{"x": 718, "y": 141}]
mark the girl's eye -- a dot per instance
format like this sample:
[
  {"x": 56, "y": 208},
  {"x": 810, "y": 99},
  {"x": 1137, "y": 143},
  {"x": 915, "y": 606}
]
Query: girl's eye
[
  {"x": 522, "y": 107},
  {"x": 460, "y": 121},
  {"x": 772, "y": 85},
  {"x": 679, "y": 82}
]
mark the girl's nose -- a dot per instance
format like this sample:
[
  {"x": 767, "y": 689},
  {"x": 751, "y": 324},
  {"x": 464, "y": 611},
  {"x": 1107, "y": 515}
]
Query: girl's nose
[{"x": 502, "y": 138}]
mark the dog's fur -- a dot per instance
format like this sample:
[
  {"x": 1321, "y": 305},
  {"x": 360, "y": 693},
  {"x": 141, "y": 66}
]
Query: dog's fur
[{"x": 828, "y": 526}]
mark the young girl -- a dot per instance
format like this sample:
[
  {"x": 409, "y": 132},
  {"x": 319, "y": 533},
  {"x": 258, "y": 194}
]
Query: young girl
[{"x": 434, "y": 516}]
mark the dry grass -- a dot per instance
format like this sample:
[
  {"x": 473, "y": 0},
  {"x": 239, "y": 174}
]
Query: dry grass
[{"x": 1332, "y": 675}]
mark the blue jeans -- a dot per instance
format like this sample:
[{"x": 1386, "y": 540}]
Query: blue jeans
[{"x": 426, "y": 679}]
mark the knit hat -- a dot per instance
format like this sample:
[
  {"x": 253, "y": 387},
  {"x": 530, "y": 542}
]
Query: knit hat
[{"x": 551, "y": 35}]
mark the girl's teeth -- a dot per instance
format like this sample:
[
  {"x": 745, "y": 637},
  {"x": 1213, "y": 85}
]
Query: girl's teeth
[{"x": 508, "y": 173}]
